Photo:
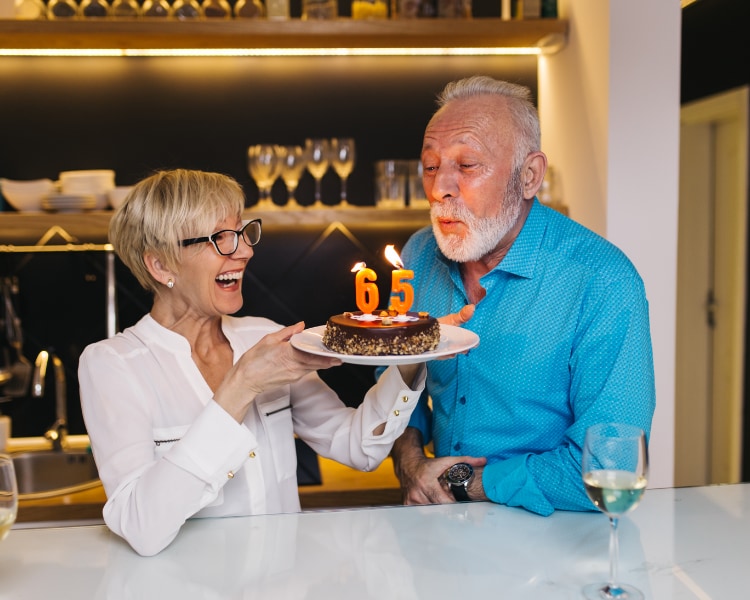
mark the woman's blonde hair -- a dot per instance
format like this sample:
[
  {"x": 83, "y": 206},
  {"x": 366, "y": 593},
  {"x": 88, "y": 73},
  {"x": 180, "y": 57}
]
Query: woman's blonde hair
[{"x": 164, "y": 209}]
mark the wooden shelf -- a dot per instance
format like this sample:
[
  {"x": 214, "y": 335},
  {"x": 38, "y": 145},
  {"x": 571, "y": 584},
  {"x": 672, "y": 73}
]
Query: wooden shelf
[
  {"x": 547, "y": 34},
  {"x": 91, "y": 227}
]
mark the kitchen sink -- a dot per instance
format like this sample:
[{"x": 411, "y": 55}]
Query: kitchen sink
[{"x": 40, "y": 471}]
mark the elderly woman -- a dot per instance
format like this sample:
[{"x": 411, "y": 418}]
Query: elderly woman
[{"x": 192, "y": 412}]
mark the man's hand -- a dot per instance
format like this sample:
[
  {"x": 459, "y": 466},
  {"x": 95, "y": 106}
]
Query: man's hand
[
  {"x": 459, "y": 318},
  {"x": 422, "y": 479}
]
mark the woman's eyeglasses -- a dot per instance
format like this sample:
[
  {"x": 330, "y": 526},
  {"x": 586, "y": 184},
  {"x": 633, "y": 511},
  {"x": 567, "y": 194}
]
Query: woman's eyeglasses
[{"x": 227, "y": 240}]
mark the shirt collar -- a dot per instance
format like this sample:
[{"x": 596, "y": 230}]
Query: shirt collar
[{"x": 523, "y": 254}]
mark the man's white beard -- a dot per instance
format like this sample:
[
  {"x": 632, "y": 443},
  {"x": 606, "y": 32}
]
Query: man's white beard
[{"x": 484, "y": 233}]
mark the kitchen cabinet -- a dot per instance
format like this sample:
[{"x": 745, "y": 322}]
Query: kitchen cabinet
[{"x": 548, "y": 35}]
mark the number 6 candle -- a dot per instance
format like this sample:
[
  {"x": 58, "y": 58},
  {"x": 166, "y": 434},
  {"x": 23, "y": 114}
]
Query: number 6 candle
[
  {"x": 398, "y": 284},
  {"x": 366, "y": 291}
]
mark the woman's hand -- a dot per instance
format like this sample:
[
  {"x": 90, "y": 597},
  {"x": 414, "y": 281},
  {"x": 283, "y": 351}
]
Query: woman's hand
[{"x": 271, "y": 363}]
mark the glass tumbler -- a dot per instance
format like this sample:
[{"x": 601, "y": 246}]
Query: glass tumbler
[
  {"x": 320, "y": 9},
  {"x": 8, "y": 495}
]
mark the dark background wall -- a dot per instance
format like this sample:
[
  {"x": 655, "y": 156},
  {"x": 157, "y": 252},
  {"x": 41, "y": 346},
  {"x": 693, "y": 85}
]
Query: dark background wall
[{"x": 135, "y": 115}]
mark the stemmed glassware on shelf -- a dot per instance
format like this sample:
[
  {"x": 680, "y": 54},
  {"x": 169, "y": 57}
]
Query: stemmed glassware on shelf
[
  {"x": 264, "y": 162},
  {"x": 615, "y": 473},
  {"x": 318, "y": 160},
  {"x": 8, "y": 495},
  {"x": 293, "y": 165},
  {"x": 343, "y": 156}
]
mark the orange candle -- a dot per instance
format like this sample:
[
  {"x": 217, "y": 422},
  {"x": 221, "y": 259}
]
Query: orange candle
[
  {"x": 366, "y": 291},
  {"x": 399, "y": 287}
]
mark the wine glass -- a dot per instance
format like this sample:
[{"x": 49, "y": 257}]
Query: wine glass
[
  {"x": 293, "y": 164},
  {"x": 8, "y": 495},
  {"x": 264, "y": 164},
  {"x": 318, "y": 159},
  {"x": 342, "y": 159},
  {"x": 615, "y": 471}
]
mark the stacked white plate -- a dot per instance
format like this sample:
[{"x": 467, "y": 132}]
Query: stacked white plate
[
  {"x": 69, "y": 202},
  {"x": 85, "y": 183}
]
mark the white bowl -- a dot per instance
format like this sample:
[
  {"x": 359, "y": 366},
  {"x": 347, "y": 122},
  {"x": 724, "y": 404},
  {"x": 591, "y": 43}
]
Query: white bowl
[
  {"x": 26, "y": 196},
  {"x": 118, "y": 194},
  {"x": 98, "y": 182}
]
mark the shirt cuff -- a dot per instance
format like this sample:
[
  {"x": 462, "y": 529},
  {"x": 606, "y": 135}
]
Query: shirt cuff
[
  {"x": 510, "y": 482},
  {"x": 214, "y": 447}
]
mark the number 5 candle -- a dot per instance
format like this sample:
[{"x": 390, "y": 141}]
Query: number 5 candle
[
  {"x": 399, "y": 287},
  {"x": 366, "y": 291}
]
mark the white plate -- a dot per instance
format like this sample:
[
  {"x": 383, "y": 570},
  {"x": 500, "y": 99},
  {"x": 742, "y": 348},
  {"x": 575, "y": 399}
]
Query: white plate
[{"x": 452, "y": 341}]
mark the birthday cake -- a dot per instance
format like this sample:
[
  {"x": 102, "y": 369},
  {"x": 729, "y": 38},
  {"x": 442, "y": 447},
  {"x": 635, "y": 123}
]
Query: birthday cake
[{"x": 385, "y": 333}]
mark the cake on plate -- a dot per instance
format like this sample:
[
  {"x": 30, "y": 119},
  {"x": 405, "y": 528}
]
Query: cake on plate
[{"x": 385, "y": 333}]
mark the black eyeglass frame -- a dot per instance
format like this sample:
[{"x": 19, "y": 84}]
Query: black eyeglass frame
[{"x": 239, "y": 233}]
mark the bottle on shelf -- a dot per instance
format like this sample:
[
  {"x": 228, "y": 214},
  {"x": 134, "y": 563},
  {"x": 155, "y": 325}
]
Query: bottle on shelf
[
  {"x": 96, "y": 9},
  {"x": 62, "y": 9},
  {"x": 156, "y": 8},
  {"x": 30, "y": 9},
  {"x": 277, "y": 10},
  {"x": 216, "y": 9},
  {"x": 249, "y": 9},
  {"x": 186, "y": 10},
  {"x": 125, "y": 9},
  {"x": 369, "y": 9}
]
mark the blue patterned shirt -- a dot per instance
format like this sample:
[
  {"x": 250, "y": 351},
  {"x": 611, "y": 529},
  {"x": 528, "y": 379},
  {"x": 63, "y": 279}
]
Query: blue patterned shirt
[{"x": 564, "y": 343}]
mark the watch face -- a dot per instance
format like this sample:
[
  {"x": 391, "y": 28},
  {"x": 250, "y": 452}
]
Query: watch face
[{"x": 459, "y": 473}]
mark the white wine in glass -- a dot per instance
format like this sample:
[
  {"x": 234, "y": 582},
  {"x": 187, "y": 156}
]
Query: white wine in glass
[
  {"x": 264, "y": 164},
  {"x": 292, "y": 166},
  {"x": 343, "y": 156},
  {"x": 318, "y": 161},
  {"x": 8, "y": 495},
  {"x": 615, "y": 473}
]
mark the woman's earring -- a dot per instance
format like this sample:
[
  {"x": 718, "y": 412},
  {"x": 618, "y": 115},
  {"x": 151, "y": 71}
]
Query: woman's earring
[{"x": 170, "y": 283}]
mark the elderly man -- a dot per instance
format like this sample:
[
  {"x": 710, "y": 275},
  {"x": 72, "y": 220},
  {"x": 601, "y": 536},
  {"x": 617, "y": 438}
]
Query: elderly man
[{"x": 562, "y": 316}]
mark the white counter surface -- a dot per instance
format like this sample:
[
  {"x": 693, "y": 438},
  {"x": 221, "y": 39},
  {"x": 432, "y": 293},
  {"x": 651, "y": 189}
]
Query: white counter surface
[{"x": 683, "y": 543}]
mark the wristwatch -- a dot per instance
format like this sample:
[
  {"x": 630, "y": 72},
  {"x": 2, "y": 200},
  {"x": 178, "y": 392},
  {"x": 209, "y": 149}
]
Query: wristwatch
[{"x": 458, "y": 477}]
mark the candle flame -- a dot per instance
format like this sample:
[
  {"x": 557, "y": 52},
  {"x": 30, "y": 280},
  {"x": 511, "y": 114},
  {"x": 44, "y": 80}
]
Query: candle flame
[
  {"x": 358, "y": 267},
  {"x": 392, "y": 256}
]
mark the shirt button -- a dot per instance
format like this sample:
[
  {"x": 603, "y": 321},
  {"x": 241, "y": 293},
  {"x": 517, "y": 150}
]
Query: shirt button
[
  {"x": 230, "y": 475},
  {"x": 462, "y": 400},
  {"x": 252, "y": 455},
  {"x": 396, "y": 412},
  {"x": 457, "y": 446},
  {"x": 404, "y": 398}
]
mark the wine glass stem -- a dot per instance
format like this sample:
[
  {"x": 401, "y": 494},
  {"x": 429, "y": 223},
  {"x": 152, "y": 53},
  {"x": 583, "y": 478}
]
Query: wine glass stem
[
  {"x": 318, "y": 194},
  {"x": 343, "y": 190},
  {"x": 614, "y": 552}
]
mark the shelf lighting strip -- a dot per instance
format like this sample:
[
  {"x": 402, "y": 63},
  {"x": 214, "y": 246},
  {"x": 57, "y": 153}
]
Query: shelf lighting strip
[{"x": 211, "y": 52}]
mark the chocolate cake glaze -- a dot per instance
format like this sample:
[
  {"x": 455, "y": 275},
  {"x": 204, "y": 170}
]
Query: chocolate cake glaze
[{"x": 387, "y": 337}]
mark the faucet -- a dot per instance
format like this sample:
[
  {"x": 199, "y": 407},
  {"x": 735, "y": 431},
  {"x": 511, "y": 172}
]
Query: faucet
[{"x": 57, "y": 433}]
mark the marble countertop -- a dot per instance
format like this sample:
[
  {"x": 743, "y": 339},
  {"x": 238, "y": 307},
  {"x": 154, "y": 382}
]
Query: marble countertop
[{"x": 689, "y": 543}]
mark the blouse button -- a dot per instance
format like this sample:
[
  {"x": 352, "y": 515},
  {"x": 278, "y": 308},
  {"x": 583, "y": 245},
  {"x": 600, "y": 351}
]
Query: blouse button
[
  {"x": 396, "y": 412},
  {"x": 404, "y": 398},
  {"x": 230, "y": 475},
  {"x": 252, "y": 455}
]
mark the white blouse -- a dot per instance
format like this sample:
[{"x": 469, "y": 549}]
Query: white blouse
[{"x": 167, "y": 452}]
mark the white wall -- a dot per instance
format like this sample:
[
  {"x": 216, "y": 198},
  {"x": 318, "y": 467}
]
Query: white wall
[{"x": 609, "y": 105}]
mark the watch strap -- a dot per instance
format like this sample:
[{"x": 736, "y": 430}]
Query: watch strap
[{"x": 460, "y": 493}]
